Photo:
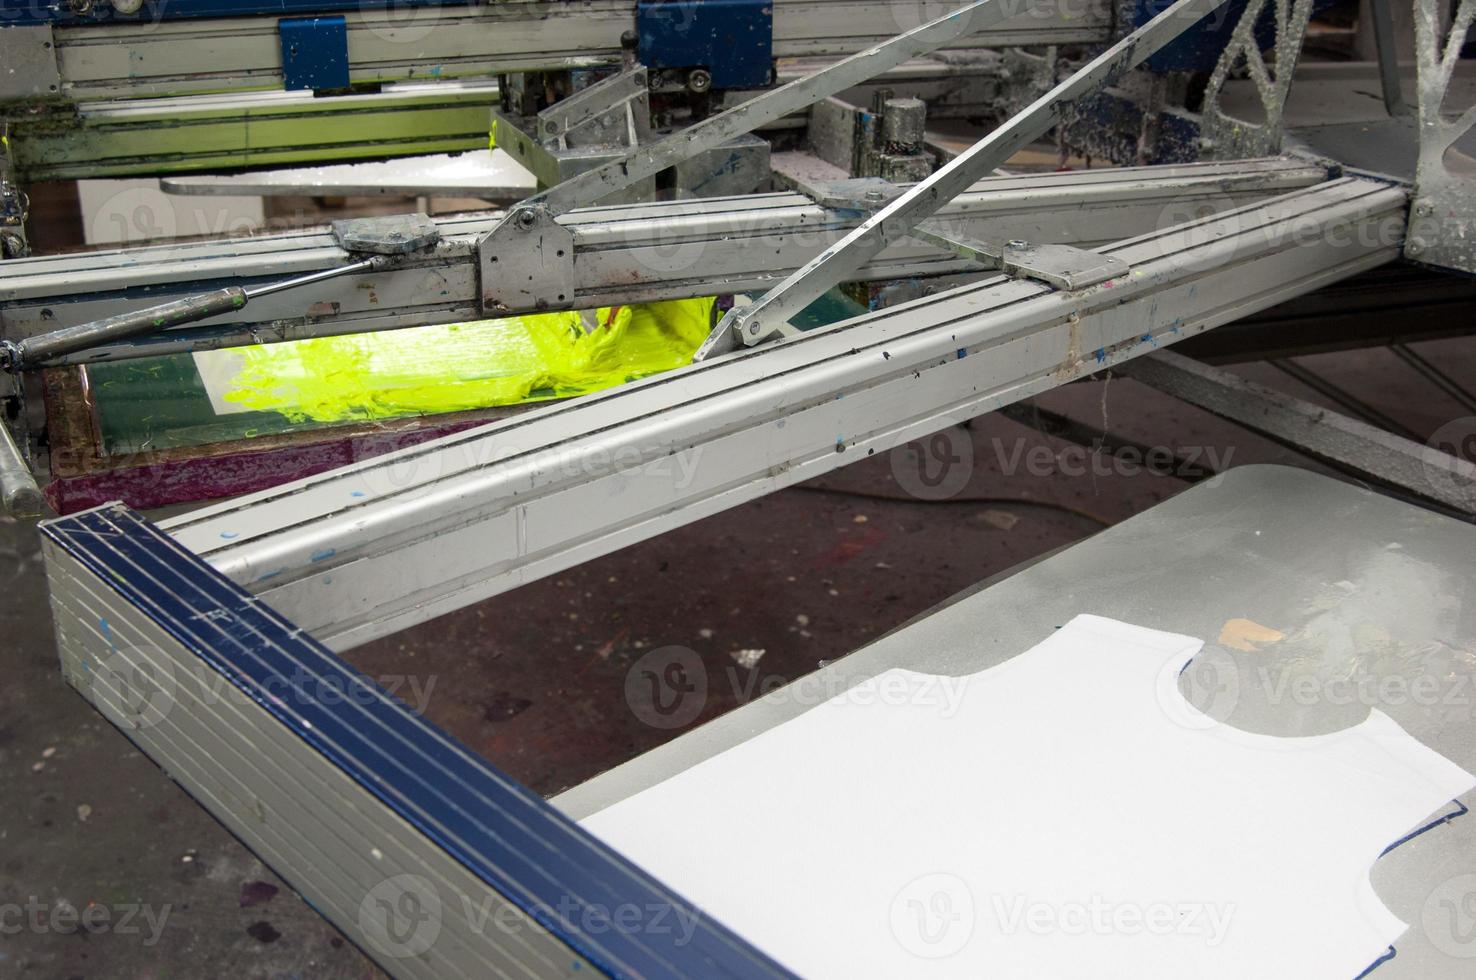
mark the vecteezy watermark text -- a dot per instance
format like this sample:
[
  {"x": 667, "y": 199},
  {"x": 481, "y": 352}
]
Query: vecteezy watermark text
[
  {"x": 669, "y": 686},
  {"x": 1035, "y": 459},
  {"x": 935, "y": 916},
  {"x": 62, "y": 918},
  {"x": 139, "y": 686},
  {"x": 1096, "y": 916},
  {"x": 403, "y": 916}
]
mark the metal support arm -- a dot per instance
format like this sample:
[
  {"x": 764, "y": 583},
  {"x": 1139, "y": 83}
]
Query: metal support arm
[
  {"x": 532, "y": 225},
  {"x": 37, "y": 351},
  {"x": 369, "y": 549},
  {"x": 897, "y": 220},
  {"x": 18, "y": 491},
  {"x": 1392, "y": 459},
  {"x": 630, "y": 254}
]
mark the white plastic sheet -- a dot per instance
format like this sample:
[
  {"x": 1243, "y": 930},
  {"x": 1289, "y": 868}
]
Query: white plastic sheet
[{"x": 1065, "y": 814}]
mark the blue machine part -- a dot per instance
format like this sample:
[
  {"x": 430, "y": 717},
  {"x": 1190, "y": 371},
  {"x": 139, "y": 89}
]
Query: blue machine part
[
  {"x": 314, "y": 53},
  {"x": 732, "y": 39},
  {"x": 22, "y": 12},
  {"x": 563, "y": 877},
  {"x": 1198, "y": 49}
]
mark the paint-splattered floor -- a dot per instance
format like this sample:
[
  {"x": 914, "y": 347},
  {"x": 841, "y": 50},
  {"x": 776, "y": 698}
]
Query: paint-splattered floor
[{"x": 536, "y": 680}]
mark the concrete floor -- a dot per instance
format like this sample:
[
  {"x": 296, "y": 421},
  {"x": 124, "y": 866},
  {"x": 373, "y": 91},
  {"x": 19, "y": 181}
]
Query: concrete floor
[{"x": 535, "y": 680}]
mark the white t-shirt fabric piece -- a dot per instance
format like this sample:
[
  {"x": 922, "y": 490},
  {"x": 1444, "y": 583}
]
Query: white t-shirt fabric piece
[{"x": 1064, "y": 814}]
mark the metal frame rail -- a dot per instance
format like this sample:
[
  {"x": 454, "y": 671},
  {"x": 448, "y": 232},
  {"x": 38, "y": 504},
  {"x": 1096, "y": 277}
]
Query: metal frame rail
[
  {"x": 367, "y": 550},
  {"x": 627, "y": 254}
]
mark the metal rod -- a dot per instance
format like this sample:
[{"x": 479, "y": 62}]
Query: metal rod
[
  {"x": 1364, "y": 449},
  {"x": 1435, "y": 376},
  {"x": 897, "y": 220},
  {"x": 1349, "y": 403},
  {"x": 1388, "y": 52},
  {"x": 38, "y": 350},
  {"x": 594, "y": 185},
  {"x": 21, "y": 495},
  {"x": 373, "y": 262}
]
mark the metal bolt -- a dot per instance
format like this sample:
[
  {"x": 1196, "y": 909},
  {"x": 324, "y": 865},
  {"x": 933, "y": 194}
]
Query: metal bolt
[
  {"x": 526, "y": 220},
  {"x": 1424, "y": 209},
  {"x": 699, "y": 80},
  {"x": 875, "y": 197},
  {"x": 551, "y": 127},
  {"x": 127, "y": 6},
  {"x": 753, "y": 328},
  {"x": 1414, "y": 247},
  {"x": 1017, "y": 243}
]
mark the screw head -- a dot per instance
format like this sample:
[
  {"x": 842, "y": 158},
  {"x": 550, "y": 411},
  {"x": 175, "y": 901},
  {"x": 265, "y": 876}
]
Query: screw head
[
  {"x": 875, "y": 196},
  {"x": 753, "y": 328},
  {"x": 699, "y": 80},
  {"x": 1414, "y": 247},
  {"x": 526, "y": 219},
  {"x": 1017, "y": 243}
]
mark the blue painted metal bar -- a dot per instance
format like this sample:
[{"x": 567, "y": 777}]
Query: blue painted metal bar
[
  {"x": 314, "y": 53},
  {"x": 732, "y": 39},
  {"x": 509, "y": 837}
]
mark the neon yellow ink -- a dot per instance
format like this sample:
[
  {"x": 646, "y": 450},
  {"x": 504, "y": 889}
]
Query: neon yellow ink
[{"x": 457, "y": 366}]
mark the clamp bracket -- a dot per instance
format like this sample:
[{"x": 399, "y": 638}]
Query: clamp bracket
[{"x": 526, "y": 261}]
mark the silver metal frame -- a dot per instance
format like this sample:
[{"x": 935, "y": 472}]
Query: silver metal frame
[
  {"x": 1443, "y": 226},
  {"x": 625, "y": 254},
  {"x": 361, "y": 552},
  {"x": 1225, "y": 137},
  {"x": 94, "y": 62},
  {"x": 770, "y": 315},
  {"x": 1425, "y": 471}
]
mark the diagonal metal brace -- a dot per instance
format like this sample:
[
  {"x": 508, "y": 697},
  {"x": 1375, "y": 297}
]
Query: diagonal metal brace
[
  {"x": 898, "y": 219},
  {"x": 988, "y": 254},
  {"x": 595, "y": 185},
  {"x": 599, "y": 183}
]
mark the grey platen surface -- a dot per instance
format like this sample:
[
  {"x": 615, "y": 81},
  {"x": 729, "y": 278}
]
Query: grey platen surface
[{"x": 1375, "y": 601}]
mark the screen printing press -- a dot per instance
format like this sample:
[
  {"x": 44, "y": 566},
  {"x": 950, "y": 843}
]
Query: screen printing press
[{"x": 865, "y": 299}]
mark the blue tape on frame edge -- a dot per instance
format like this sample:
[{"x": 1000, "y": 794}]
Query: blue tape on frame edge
[{"x": 538, "y": 859}]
